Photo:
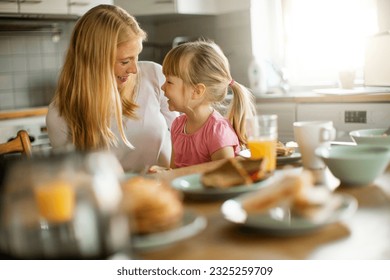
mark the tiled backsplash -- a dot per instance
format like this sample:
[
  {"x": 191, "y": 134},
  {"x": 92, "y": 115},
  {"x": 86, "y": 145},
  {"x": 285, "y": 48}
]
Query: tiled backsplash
[{"x": 29, "y": 67}]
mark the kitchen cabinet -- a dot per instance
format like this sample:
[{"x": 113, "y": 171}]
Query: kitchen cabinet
[
  {"x": 195, "y": 7},
  {"x": 346, "y": 116},
  {"x": 348, "y": 112},
  {"x": 73, "y": 7},
  {"x": 80, "y": 7},
  {"x": 9, "y": 6},
  {"x": 43, "y": 7},
  {"x": 286, "y": 113}
]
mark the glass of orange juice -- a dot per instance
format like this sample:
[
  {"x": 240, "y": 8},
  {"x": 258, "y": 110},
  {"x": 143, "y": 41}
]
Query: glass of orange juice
[
  {"x": 55, "y": 200},
  {"x": 262, "y": 132}
]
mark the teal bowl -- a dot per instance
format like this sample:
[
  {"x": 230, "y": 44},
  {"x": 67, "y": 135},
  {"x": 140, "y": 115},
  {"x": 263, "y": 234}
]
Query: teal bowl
[
  {"x": 355, "y": 165},
  {"x": 375, "y": 136}
]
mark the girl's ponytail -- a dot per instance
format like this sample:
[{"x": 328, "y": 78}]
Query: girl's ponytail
[{"x": 241, "y": 107}]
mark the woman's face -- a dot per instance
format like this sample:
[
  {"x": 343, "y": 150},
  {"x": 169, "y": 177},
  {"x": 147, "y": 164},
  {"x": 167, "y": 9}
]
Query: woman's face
[{"x": 126, "y": 60}]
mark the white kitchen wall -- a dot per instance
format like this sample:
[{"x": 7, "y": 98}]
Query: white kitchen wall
[
  {"x": 230, "y": 31},
  {"x": 233, "y": 34},
  {"x": 29, "y": 67},
  {"x": 383, "y": 15}
]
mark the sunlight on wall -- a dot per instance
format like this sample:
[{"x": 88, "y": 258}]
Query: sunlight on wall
[
  {"x": 324, "y": 37},
  {"x": 319, "y": 38}
]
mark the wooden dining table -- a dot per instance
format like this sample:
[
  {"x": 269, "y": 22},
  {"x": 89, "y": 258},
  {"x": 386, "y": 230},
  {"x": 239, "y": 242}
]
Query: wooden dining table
[{"x": 364, "y": 235}]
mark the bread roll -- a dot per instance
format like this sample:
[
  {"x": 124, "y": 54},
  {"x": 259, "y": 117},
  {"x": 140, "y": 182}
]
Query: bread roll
[{"x": 151, "y": 205}]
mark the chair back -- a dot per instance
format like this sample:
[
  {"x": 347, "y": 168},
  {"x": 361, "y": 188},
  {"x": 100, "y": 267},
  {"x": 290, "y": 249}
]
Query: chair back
[{"x": 20, "y": 144}]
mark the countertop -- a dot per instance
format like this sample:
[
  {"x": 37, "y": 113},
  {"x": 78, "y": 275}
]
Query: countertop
[
  {"x": 312, "y": 97},
  {"x": 23, "y": 113},
  {"x": 298, "y": 97}
]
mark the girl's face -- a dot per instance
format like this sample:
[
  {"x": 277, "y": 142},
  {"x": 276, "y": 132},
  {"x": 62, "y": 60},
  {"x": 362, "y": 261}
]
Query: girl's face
[
  {"x": 126, "y": 60},
  {"x": 178, "y": 93}
]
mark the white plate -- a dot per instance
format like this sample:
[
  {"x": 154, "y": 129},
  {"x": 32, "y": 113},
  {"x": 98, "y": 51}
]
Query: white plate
[
  {"x": 279, "y": 160},
  {"x": 191, "y": 225},
  {"x": 288, "y": 159},
  {"x": 277, "y": 222},
  {"x": 192, "y": 188}
]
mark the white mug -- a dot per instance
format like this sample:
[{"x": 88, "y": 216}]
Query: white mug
[
  {"x": 346, "y": 79},
  {"x": 309, "y": 135}
]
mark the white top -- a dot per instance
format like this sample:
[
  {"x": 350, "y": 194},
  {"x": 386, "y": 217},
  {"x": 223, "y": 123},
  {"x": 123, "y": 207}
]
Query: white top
[{"x": 149, "y": 134}]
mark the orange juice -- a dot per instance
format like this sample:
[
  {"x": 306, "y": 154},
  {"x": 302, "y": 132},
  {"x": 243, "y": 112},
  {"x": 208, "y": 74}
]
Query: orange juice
[
  {"x": 264, "y": 149},
  {"x": 56, "y": 201}
]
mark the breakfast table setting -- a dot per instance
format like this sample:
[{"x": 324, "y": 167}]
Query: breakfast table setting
[
  {"x": 356, "y": 229},
  {"x": 318, "y": 199},
  {"x": 361, "y": 235}
]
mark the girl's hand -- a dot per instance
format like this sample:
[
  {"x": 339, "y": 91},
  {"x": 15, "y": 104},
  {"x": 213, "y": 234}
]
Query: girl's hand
[{"x": 158, "y": 169}]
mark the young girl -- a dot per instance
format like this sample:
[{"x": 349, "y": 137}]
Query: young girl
[{"x": 197, "y": 80}]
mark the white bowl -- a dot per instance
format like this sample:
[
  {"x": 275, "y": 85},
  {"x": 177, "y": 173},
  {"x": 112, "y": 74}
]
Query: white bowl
[
  {"x": 373, "y": 136},
  {"x": 355, "y": 165}
]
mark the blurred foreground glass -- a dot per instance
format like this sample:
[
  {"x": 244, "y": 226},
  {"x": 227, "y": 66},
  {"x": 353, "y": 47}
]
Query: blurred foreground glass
[
  {"x": 262, "y": 132},
  {"x": 63, "y": 207}
]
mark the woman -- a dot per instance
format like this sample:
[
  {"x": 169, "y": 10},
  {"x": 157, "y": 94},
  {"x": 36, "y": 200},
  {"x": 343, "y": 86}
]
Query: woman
[{"x": 105, "y": 98}]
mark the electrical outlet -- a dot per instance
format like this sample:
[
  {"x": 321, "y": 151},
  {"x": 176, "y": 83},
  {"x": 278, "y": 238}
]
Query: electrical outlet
[{"x": 355, "y": 116}]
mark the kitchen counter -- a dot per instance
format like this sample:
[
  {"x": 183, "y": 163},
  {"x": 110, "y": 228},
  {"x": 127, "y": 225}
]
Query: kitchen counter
[
  {"x": 362, "y": 236},
  {"x": 299, "y": 97},
  {"x": 23, "y": 113},
  {"x": 312, "y": 97}
]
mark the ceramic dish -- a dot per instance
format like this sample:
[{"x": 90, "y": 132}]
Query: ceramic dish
[
  {"x": 191, "y": 225},
  {"x": 288, "y": 159},
  {"x": 356, "y": 165},
  {"x": 375, "y": 136},
  {"x": 280, "y": 160},
  {"x": 281, "y": 222},
  {"x": 192, "y": 188}
]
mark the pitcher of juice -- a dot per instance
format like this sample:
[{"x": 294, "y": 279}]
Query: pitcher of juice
[{"x": 262, "y": 132}]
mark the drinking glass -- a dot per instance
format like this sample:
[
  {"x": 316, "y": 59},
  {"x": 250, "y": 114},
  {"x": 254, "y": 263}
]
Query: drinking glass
[{"x": 262, "y": 132}]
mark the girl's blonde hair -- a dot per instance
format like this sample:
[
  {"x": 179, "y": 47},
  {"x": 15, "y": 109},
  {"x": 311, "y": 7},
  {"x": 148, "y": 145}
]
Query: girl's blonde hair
[
  {"x": 87, "y": 95},
  {"x": 204, "y": 62}
]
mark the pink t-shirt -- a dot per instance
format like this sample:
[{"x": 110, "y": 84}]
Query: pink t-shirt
[{"x": 198, "y": 147}]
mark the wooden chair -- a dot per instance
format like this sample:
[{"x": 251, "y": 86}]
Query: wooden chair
[{"x": 20, "y": 144}]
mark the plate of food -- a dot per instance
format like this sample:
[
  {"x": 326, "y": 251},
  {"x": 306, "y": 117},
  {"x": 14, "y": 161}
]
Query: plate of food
[
  {"x": 290, "y": 206},
  {"x": 156, "y": 213},
  {"x": 286, "y": 153},
  {"x": 190, "y": 225},
  {"x": 231, "y": 178}
]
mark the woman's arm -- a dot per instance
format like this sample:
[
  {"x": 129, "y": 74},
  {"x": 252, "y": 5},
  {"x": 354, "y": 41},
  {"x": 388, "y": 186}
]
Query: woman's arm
[{"x": 57, "y": 128}]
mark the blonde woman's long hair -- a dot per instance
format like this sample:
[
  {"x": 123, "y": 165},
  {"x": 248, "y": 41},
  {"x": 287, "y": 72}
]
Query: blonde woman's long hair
[
  {"x": 204, "y": 62},
  {"x": 87, "y": 95}
]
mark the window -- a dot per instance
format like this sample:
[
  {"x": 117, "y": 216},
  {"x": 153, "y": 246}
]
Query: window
[{"x": 315, "y": 39}]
